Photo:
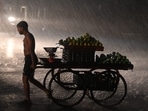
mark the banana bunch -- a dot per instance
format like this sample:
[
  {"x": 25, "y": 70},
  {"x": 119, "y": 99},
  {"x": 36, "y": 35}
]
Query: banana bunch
[
  {"x": 85, "y": 40},
  {"x": 112, "y": 58}
]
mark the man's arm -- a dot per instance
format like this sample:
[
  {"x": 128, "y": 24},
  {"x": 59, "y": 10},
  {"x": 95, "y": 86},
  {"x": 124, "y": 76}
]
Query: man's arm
[{"x": 31, "y": 51}]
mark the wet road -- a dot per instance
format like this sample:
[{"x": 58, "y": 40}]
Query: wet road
[{"x": 11, "y": 93}]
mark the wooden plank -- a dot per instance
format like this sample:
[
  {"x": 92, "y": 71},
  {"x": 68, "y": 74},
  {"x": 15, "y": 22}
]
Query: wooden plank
[
  {"x": 88, "y": 48},
  {"x": 91, "y": 65}
]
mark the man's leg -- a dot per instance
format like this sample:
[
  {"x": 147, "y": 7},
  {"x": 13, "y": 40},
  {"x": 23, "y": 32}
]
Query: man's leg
[
  {"x": 26, "y": 86},
  {"x": 38, "y": 84}
]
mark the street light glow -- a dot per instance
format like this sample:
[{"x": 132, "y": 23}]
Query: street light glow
[{"x": 11, "y": 19}]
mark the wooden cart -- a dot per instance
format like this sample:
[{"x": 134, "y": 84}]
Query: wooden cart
[{"x": 69, "y": 82}]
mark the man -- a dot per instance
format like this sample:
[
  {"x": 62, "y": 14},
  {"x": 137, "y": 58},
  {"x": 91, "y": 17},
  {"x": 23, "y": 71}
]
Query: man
[{"x": 30, "y": 61}]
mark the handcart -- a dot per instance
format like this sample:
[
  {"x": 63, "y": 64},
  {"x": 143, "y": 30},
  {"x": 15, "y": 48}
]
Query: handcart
[{"x": 76, "y": 74}]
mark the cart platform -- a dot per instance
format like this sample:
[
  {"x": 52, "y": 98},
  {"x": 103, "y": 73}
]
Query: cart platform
[{"x": 59, "y": 64}]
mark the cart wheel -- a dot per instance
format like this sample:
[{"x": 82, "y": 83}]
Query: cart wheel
[
  {"x": 48, "y": 76},
  {"x": 114, "y": 90},
  {"x": 64, "y": 90}
]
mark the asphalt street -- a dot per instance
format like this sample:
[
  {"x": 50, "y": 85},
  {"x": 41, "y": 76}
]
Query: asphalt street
[{"x": 11, "y": 93}]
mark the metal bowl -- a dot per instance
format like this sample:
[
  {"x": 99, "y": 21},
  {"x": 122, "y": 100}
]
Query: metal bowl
[{"x": 50, "y": 49}]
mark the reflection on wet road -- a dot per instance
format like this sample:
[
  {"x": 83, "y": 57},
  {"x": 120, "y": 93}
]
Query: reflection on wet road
[{"x": 10, "y": 48}]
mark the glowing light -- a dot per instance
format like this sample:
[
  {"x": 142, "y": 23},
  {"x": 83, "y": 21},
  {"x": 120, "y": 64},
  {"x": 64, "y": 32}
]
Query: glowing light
[
  {"x": 10, "y": 46},
  {"x": 11, "y": 19}
]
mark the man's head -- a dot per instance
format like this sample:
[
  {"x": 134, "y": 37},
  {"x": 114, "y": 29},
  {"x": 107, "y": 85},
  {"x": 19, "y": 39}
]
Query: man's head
[{"x": 22, "y": 26}]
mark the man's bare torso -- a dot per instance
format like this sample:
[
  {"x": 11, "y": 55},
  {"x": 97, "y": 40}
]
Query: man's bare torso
[{"x": 28, "y": 49}]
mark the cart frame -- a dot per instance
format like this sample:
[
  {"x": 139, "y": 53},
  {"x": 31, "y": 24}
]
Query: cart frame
[{"x": 70, "y": 82}]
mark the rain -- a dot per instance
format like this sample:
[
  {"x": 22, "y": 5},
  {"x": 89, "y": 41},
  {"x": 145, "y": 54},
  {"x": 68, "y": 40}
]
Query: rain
[{"x": 121, "y": 25}]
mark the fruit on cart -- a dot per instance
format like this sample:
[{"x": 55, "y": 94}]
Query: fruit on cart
[
  {"x": 112, "y": 58},
  {"x": 85, "y": 40}
]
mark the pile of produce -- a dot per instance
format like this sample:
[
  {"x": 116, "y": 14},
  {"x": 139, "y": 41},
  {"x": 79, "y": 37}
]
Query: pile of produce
[
  {"x": 85, "y": 40},
  {"x": 112, "y": 58}
]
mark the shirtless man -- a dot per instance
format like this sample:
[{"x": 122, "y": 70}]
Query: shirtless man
[{"x": 30, "y": 61}]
